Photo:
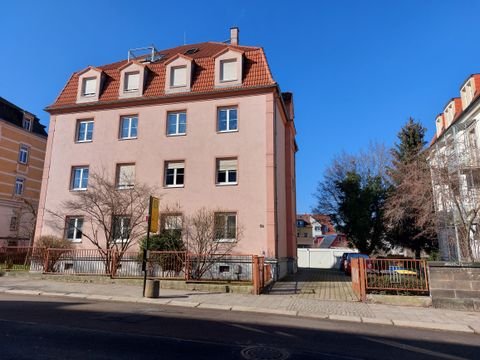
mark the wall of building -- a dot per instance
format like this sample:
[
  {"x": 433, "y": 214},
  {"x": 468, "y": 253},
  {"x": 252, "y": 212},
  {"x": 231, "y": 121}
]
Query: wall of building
[
  {"x": 199, "y": 149},
  {"x": 11, "y": 138}
]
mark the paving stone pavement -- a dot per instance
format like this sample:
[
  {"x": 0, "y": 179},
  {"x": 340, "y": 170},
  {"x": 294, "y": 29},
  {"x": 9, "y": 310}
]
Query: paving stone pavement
[
  {"x": 319, "y": 284},
  {"x": 286, "y": 304}
]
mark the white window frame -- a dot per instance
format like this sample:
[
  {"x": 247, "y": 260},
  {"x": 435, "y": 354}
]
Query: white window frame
[
  {"x": 120, "y": 185},
  {"x": 228, "y": 110},
  {"x": 77, "y": 229},
  {"x": 222, "y": 72},
  {"x": 27, "y": 124},
  {"x": 175, "y": 224},
  {"x": 172, "y": 76},
  {"x": 130, "y": 120},
  {"x": 19, "y": 186},
  {"x": 23, "y": 154},
  {"x": 82, "y": 176},
  {"x": 14, "y": 223},
  {"x": 126, "y": 81},
  {"x": 123, "y": 228},
  {"x": 175, "y": 174},
  {"x": 226, "y": 215},
  {"x": 84, "y": 86},
  {"x": 177, "y": 123},
  {"x": 87, "y": 124},
  {"x": 227, "y": 172}
]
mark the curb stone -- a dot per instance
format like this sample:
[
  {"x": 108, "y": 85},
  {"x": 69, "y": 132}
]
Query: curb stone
[
  {"x": 345, "y": 318},
  {"x": 433, "y": 326},
  {"x": 215, "y": 307},
  {"x": 22, "y": 292},
  {"x": 184, "y": 303},
  {"x": 378, "y": 321}
]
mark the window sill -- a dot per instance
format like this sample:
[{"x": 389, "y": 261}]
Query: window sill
[
  {"x": 226, "y": 131},
  {"x": 173, "y": 186},
  {"x": 226, "y": 240},
  {"x": 128, "y": 138},
  {"x": 227, "y": 184},
  {"x": 175, "y": 135},
  {"x": 83, "y": 141},
  {"x": 124, "y": 187},
  {"x": 76, "y": 190},
  {"x": 75, "y": 241}
]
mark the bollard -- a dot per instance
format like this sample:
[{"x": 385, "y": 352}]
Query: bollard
[{"x": 152, "y": 288}]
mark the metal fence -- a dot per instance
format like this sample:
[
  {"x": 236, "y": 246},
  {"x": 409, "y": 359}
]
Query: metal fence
[
  {"x": 160, "y": 264},
  {"x": 404, "y": 275}
]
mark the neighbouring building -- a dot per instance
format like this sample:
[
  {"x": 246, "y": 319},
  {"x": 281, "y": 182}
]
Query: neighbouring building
[
  {"x": 22, "y": 151},
  {"x": 206, "y": 123},
  {"x": 454, "y": 159},
  {"x": 317, "y": 231}
]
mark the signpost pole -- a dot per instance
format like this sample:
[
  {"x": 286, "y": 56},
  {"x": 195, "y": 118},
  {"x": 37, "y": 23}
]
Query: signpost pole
[{"x": 145, "y": 250}]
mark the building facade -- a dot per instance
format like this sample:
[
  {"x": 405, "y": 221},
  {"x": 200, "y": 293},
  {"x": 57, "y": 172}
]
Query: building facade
[
  {"x": 454, "y": 159},
  {"x": 22, "y": 151},
  {"x": 317, "y": 231},
  {"x": 204, "y": 123}
]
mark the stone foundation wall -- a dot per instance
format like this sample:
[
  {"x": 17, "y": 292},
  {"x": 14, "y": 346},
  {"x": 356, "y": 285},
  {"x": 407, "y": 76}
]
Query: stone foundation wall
[{"x": 455, "y": 286}]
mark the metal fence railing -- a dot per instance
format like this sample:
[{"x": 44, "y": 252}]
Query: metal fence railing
[
  {"x": 160, "y": 264},
  {"x": 405, "y": 275}
]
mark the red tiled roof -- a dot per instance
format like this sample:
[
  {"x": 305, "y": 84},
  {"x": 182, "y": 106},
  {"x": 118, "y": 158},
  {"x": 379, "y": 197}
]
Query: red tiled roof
[{"x": 256, "y": 73}]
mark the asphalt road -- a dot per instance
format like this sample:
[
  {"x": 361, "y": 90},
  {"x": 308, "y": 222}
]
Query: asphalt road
[{"x": 60, "y": 328}]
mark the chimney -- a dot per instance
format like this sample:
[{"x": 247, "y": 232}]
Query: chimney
[{"x": 234, "y": 35}]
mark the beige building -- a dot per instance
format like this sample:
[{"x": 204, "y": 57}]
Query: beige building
[
  {"x": 22, "y": 151},
  {"x": 205, "y": 123}
]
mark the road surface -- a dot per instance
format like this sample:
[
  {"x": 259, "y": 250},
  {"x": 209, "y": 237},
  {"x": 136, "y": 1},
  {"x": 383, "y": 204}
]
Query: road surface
[{"x": 34, "y": 327}]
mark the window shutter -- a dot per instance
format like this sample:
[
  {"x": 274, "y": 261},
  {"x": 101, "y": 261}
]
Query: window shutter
[
  {"x": 227, "y": 164},
  {"x": 175, "y": 165},
  {"x": 132, "y": 81},
  {"x": 179, "y": 76},
  {"x": 126, "y": 175},
  {"x": 90, "y": 86},
  {"x": 228, "y": 70}
]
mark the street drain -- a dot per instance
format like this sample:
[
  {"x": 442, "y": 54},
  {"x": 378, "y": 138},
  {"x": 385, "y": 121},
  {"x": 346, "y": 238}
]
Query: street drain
[{"x": 264, "y": 353}]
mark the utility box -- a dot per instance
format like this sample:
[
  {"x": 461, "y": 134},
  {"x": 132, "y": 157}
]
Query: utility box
[{"x": 152, "y": 288}]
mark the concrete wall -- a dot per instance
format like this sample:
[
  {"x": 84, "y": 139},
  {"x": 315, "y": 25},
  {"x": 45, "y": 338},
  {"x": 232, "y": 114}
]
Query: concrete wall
[{"x": 455, "y": 287}]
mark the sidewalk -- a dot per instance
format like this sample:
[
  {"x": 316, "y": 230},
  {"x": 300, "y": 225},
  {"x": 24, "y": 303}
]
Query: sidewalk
[{"x": 292, "y": 305}]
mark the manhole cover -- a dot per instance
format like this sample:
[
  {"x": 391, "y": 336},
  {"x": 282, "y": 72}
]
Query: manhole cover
[{"x": 264, "y": 353}]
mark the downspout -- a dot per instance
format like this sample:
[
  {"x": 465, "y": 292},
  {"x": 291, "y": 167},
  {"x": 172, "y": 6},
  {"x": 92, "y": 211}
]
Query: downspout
[{"x": 275, "y": 184}]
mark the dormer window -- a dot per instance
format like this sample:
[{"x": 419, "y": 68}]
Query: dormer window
[
  {"x": 89, "y": 87},
  {"x": 228, "y": 70},
  {"x": 27, "y": 124},
  {"x": 178, "y": 71},
  {"x": 178, "y": 76},
  {"x": 89, "y": 84},
  {"x": 228, "y": 67},
  {"x": 132, "y": 81},
  {"x": 467, "y": 93}
]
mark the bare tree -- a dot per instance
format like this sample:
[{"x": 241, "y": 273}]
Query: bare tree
[
  {"x": 210, "y": 237},
  {"x": 24, "y": 221},
  {"x": 114, "y": 219},
  {"x": 456, "y": 187}
]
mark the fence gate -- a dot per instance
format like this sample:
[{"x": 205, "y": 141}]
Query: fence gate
[{"x": 359, "y": 278}]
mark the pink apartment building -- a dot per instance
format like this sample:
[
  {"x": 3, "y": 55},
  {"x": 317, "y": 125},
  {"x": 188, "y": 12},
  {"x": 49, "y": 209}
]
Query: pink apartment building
[{"x": 206, "y": 123}]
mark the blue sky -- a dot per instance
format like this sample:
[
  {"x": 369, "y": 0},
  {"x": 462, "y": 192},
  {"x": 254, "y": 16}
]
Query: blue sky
[{"x": 358, "y": 69}]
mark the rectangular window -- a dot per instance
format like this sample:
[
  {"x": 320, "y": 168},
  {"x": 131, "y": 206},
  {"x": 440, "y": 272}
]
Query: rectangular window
[
  {"x": 132, "y": 81},
  {"x": 228, "y": 70},
  {"x": 19, "y": 186},
  {"x": 84, "y": 130},
  {"x": 226, "y": 171},
  {"x": 27, "y": 124},
  {"x": 79, "y": 178},
  {"x": 171, "y": 222},
  {"x": 174, "y": 174},
  {"x": 121, "y": 228},
  {"x": 225, "y": 226},
  {"x": 13, "y": 223},
  {"x": 128, "y": 127},
  {"x": 176, "y": 123},
  {"x": 125, "y": 176},
  {"x": 74, "y": 225},
  {"x": 227, "y": 119},
  {"x": 178, "y": 76},
  {"x": 89, "y": 86},
  {"x": 23, "y": 154}
]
